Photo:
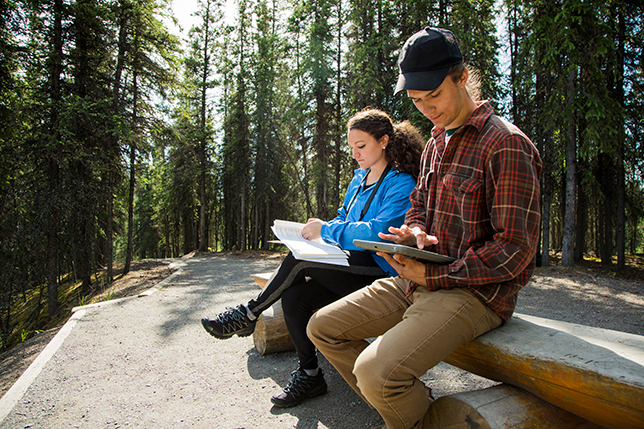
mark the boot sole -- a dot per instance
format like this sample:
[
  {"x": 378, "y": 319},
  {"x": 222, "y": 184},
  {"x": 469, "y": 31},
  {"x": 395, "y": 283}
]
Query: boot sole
[
  {"x": 225, "y": 336},
  {"x": 318, "y": 391}
]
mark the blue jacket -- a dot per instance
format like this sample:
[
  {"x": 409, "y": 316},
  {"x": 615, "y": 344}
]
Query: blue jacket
[{"x": 387, "y": 208}]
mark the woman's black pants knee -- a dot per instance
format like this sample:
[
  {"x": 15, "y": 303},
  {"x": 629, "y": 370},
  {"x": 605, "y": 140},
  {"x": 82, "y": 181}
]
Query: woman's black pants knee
[{"x": 307, "y": 286}]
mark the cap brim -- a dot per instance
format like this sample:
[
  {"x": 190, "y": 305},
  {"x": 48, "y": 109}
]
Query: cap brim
[{"x": 421, "y": 80}]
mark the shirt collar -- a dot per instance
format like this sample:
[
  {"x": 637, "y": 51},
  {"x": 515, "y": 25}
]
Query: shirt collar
[{"x": 477, "y": 119}]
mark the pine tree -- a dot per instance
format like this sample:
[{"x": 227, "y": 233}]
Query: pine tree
[
  {"x": 473, "y": 25},
  {"x": 236, "y": 150},
  {"x": 268, "y": 184},
  {"x": 11, "y": 164},
  {"x": 317, "y": 71},
  {"x": 151, "y": 64}
]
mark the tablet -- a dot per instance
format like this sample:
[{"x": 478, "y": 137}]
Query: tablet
[{"x": 412, "y": 252}]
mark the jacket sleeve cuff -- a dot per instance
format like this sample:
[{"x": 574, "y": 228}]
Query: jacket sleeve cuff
[{"x": 326, "y": 234}]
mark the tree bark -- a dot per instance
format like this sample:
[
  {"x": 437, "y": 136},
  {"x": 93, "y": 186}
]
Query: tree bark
[
  {"x": 567, "y": 252},
  {"x": 53, "y": 167},
  {"x": 116, "y": 103},
  {"x": 130, "y": 210},
  {"x": 619, "y": 91},
  {"x": 203, "y": 239}
]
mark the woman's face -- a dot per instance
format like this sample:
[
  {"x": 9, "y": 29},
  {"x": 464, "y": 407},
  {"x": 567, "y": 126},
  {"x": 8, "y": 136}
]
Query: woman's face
[{"x": 366, "y": 149}]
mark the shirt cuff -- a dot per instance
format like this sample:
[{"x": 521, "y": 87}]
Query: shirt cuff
[{"x": 437, "y": 276}]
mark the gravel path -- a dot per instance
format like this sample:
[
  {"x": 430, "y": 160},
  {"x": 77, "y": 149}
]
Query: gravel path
[
  {"x": 147, "y": 363},
  {"x": 579, "y": 296}
]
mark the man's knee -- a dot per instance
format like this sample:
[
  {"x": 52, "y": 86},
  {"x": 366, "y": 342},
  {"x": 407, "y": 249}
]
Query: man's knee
[{"x": 370, "y": 372}]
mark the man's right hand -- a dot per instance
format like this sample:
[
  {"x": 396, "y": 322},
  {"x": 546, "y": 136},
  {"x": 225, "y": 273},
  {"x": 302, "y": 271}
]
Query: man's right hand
[{"x": 409, "y": 236}]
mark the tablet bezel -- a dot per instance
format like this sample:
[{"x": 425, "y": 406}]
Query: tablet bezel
[{"x": 412, "y": 252}]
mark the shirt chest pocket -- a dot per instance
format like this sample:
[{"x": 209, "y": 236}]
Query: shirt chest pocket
[{"x": 467, "y": 194}]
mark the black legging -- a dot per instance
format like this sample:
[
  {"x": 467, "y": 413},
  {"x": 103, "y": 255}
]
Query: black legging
[{"x": 307, "y": 286}]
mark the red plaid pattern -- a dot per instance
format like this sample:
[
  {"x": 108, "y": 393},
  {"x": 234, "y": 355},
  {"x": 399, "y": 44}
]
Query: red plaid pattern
[{"x": 480, "y": 197}]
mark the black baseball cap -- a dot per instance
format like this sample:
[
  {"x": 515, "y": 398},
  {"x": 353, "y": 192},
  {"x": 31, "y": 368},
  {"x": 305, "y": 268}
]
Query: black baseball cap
[{"x": 425, "y": 59}]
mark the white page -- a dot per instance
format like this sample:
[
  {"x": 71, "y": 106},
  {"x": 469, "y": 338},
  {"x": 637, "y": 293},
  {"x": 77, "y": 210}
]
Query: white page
[{"x": 290, "y": 234}]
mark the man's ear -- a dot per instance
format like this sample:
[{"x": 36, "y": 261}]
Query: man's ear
[{"x": 464, "y": 76}]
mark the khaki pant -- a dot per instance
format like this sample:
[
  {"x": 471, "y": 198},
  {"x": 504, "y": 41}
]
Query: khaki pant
[{"x": 414, "y": 334}]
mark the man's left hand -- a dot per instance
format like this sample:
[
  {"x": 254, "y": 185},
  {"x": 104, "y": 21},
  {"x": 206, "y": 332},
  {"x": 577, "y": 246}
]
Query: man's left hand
[{"x": 407, "y": 268}]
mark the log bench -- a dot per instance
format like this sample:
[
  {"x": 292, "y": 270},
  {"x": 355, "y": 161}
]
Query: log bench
[
  {"x": 594, "y": 373},
  {"x": 500, "y": 407},
  {"x": 555, "y": 374},
  {"x": 271, "y": 334}
]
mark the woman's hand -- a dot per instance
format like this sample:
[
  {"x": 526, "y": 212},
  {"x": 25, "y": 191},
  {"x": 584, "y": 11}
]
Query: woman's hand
[
  {"x": 311, "y": 230},
  {"x": 407, "y": 268},
  {"x": 409, "y": 236}
]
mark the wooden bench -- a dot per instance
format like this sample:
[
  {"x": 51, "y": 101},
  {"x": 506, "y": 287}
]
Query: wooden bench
[
  {"x": 501, "y": 407},
  {"x": 556, "y": 374},
  {"x": 594, "y": 373}
]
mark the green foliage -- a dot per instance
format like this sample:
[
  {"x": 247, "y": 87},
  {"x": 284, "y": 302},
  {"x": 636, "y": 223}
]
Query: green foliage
[
  {"x": 588, "y": 41},
  {"x": 472, "y": 22}
]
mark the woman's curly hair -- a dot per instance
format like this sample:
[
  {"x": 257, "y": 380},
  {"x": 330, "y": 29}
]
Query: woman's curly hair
[{"x": 405, "y": 141}]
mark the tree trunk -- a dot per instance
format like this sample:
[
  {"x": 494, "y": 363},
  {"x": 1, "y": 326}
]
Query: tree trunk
[
  {"x": 619, "y": 91},
  {"x": 582, "y": 219},
  {"x": 544, "y": 140},
  {"x": 135, "y": 114},
  {"x": 267, "y": 224},
  {"x": 567, "y": 251},
  {"x": 116, "y": 103},
  {"x": 336, "y": 201},
  {"x": 512, "y": 25},
  {"x": 242, "y": 224},
  {"x": 546, "y": 192},
  {"x": 203, "y": 239},
  {"x": 606, "y": 176},
  {"x": 53, "y": 168},
  {"x": 130, "y": 210}
]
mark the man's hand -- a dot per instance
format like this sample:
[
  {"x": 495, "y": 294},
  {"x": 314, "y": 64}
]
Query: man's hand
[
  {"x": 409, "y": 236},
  {"x": 311, "y": 230},
  {"x": 407, "y": 268}
]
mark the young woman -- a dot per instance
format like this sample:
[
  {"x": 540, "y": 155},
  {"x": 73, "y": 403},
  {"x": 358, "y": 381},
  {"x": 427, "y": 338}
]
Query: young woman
[{"x": 378, "y": 197}]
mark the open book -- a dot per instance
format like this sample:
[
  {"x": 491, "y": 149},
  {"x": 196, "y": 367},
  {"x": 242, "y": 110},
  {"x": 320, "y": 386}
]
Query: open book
[{"x": 290, "y": 234}]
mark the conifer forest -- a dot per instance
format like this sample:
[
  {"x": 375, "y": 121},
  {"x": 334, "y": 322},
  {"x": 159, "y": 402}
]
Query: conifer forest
[{"x": 120, "y": 140}]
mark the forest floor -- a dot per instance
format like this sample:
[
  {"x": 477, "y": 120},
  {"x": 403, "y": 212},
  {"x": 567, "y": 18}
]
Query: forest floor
[{"x": 607, "y": 290}]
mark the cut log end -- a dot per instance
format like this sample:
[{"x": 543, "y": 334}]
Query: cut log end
[
  {"x": 261, "y": 279},
  {"x": 271, "y": 334}
]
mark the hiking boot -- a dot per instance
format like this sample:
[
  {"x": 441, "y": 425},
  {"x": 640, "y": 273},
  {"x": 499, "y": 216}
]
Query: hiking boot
[
  {"x": 301, "y": 387},
  {"x": 230, "y": 322}
]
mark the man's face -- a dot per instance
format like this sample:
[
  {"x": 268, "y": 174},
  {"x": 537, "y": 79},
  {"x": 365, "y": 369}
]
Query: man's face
[{"x": 445, "y": 106}]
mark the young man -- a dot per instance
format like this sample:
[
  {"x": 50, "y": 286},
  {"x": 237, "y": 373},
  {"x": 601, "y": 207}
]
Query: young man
[{"x": 476, "y": 199}]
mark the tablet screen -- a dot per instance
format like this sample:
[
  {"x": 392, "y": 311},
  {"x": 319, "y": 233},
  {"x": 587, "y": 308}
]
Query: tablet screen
[{"x": 412, "y": 252}]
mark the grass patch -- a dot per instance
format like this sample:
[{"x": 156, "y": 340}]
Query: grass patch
[{"x": 30, "y": 314}]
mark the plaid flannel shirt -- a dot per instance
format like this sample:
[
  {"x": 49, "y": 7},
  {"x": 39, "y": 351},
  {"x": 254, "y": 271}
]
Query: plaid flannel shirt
[{"x": 480, "y": 197}]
